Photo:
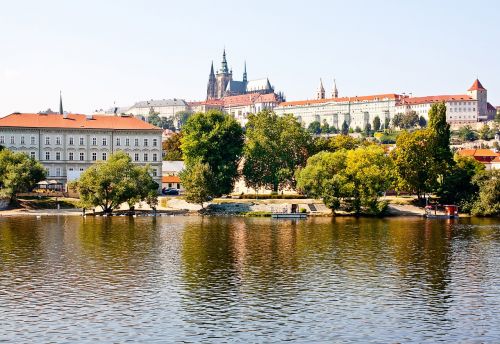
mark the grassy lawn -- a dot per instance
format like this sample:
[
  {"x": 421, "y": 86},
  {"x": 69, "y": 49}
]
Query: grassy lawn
[{"x": 47, "y": 203}]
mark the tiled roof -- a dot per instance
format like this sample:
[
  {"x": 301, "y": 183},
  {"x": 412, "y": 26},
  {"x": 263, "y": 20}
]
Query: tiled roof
[
  {"x": 476, "y": 86},
  {"x": 434, "y": 99},
  {"x": 74, "y": 121},
  {"x": 389, "y": 96},
  {"x": 170, "y": 179},
  {"x": 478, "y": 152},
  {"x": 241, "y": 100}
]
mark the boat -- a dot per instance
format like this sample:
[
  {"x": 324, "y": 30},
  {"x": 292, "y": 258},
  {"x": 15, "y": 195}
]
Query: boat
[{"x": 437, "y": 211}]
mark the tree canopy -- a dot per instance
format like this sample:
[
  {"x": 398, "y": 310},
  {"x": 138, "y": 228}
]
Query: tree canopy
[
  {"x": 314, "y": 127},
  {"x": 115, "y": 181},
  {"x": 488, "y": 201},
  {"x": 216, "y": 139},
  {"x": 19, "y": 173},
  {"x": 275, "y": 147},
  {"x": 161, "y": 122},
  {"x": 198, "y": 182},
  {"x": 172, "y": 147}
]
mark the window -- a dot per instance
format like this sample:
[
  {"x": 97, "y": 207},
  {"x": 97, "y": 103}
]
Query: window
[
  {"x": 47, "y": 140},
  {"x": 71, "y": 141},
  {"x": 33, "y": 140},
  {"x": 104, "y": 141},
  {"x": 145, "y": 142},
  {"x": 155, "y": 157},
  {"x": 58, "y": 155},
  {"x": 70, "y": 169},
  {"x": 82, "y": 156},
  {"x": 82, "y": 141},
  {"x": 58, "y": 172},
  {"x": 104, "y": 156},
  {"x": 2, "y": 139},
  {"x": 127, "y": 142},
  {"x": 155, "y": 142},
  {"x": 12, "y": 140},
  {"x": 22, "y": 140},
  {"x": 47, "y": 155},
  {"x": 145, "y": 156},
  {"x": 71, "y": 156},
  {"x": 155, "y": 172},
  {"x": 94, "y": 156},
  {"x": 33, "y": 155},
  {"x": 118, "y": 141},
  {"x": 136, "y": 157},
  {"x": 58, "y": 140},
  {"x": 136, "y": 142},
  {"x": 94, "y": 141},
  {"x": 82, "y": 169}
]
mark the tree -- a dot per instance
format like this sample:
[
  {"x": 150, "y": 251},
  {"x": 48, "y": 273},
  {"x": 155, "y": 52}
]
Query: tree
[
  {"x": 410, "y": 120},
  {"x": 161, "y": 122},
  {"x": 368, "y": 129},
  {"x": 339, "y": 142},
  {"x": 357, "y": 129},
  {"x": 325, "y": 127},
  {"x": 422, "y": 122},
  {"x": 376, "y": 123},
  {"x": 467, "y": 134},
  {"x": 497, "y": 116},
  {"x": 441, "y": 131},
  {"x": 414, "y": 162},
  {"x": 397, "y": 120},
  {"x": 19, "y": 173},
  {"x": 323, "y": 177},
  {"x": 485, "y": 132},
  {"x": 216, "y": 139},
  {"x": 458, "y": 187},
  {"x": 345, "y": 128},
  {"x": 181, "y": 118},
  {"x": 198, "y": 182},
  {"x": 387, "y": 123},
  {"x": 314, "y": 128},
  {"x": 172, "y": 147},
  {"x": 488, "y": 201},
  {"x": 275, "y": 147},
  {"x": 115, "y": 181}
]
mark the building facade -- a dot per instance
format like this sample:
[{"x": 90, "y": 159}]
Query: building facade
[
  {"x": 68, "y": 144},
  {"x": 167, "y": 108}
]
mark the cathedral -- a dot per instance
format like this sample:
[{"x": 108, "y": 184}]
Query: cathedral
[{"x": 221, "y": 84}]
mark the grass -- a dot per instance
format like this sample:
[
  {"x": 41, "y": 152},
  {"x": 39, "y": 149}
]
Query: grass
[
  {"x": 47, "y": 203},
  {"x": 256, "y": 214}
]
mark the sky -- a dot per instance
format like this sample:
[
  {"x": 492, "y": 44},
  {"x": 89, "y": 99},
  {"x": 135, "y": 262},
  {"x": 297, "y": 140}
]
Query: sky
[{"x": 100, "y": 53}]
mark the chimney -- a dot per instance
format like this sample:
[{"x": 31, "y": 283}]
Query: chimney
[{"x": 89, "y": 117}]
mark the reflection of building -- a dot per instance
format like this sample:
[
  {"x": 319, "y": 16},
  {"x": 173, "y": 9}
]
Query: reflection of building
[{"x": 68, "y": 144}]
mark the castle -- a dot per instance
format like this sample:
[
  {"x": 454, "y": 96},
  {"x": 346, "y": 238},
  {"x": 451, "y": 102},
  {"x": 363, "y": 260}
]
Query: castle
[{"x": 222, "y": 85}]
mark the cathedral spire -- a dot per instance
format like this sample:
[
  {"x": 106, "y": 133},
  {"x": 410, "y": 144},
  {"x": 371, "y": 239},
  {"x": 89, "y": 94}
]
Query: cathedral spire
[
  {"x": 61, "y": 112},
  {"x": 335, "y": 92},
  {"x": 321, "y": 90},
  {"x": 212, "y": 69},
  {"x": 245, "y": 72},
  {"x": 224, "y": 62}
]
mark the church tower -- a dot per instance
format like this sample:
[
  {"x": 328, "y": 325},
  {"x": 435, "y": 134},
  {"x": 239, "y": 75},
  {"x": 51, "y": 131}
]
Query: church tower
[
  {"x": 479, "y": 93},
  {"x": 335, "y": 92},
  {"x": 211, "y": 87},
  {"x": 245, "y": 79},
  {"x": 223, "y": 77},
  {"x": 321, "y": 90}
]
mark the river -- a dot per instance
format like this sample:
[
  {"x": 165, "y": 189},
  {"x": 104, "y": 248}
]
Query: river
[{"x": 194, "y": 279}]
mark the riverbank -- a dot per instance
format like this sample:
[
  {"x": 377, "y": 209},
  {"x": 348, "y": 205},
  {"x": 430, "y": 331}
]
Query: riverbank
[{"x": 219, "y": 207}]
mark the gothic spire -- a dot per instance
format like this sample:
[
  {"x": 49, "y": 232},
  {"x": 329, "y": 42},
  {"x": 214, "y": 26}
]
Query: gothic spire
[
  {"x": 335, "y": 92},
  {"x": 61, "y": 112},
  {"x": 245, "y": 72},
  {"x": 212, "y": 69},
  {"x": 224, "y": 62},
  {"x": 321, "y": 90}
]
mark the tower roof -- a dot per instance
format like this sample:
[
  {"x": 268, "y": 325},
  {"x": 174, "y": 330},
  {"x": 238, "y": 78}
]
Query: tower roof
[
  {"x": 224, "y": 68},
  {"x": 476, "y": 86},
  {"x": 321, "y": 88}
]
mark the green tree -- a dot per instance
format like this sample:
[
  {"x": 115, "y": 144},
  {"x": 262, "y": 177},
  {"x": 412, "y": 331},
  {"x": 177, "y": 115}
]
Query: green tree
[
  {"x": 314, "y": 128},
  {"x": 181, "y": 118},
  {"x": 458, "y": 186},
  {"x": 323, "y": 177},
  {"x": 397, "y": 120},
  {"x": 115, "y": 181},
  {"x": 414, "y": 162},
  {"x": 422, "y": 122},
  {"x": 345, "y": 128},
  {"x": 339, "y": 142},
  {"x": 485, "y": 132},
  {"x": 216, "y": 139},
  {"x": 376, "y": 123},
  {"x": 275, "y": 147},
  {"x": 368, "y": 129},
  {"x": 467, "y": 134},
  {"x": 488, "y": 201},
  {"x": 410, "y": 120},
  {"x": 198, "y": 180},
  {"x": 172, "y": 147},
  {"x": 441, "y": 131},
  {"x": 161, "y": 122},
  {"x": 387, "y": 123},
  {"x": 325, "y": 127},
  {"x": 18, "y": 173}
]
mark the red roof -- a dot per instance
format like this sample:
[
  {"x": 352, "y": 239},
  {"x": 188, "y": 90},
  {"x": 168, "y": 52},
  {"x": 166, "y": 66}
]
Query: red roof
[
  {"x": 377, "y": 97},
  {"x": 476, "y": 86},
  {"x": 434, "y": 99},
  {"x": 170, "y": 179},
  {"x": 478, "y": 153},
  {"x": 74, "y": 121}
]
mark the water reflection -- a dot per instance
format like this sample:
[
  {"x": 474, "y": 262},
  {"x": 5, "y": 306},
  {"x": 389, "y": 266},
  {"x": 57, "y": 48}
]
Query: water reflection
[{"x": 225, "y": 279}]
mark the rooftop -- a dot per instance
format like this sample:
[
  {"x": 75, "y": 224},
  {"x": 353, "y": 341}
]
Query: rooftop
[
  {"x": 159, "y": 102},
  {"x": 476, "y": 86},
  {"x": 74, "y": 121},
  {"x": 377, "y": 97},
  {"x": 434, "y": 99}
]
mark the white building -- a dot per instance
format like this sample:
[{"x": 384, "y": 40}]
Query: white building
[
  {"x": 68, "y": 144},
  {"x": 167, "y": 108}
]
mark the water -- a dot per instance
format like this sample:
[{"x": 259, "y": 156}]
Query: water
[{"x": 193, "y": 279}]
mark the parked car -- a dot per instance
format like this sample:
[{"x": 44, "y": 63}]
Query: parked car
[{"x": 170, "y": 191}]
